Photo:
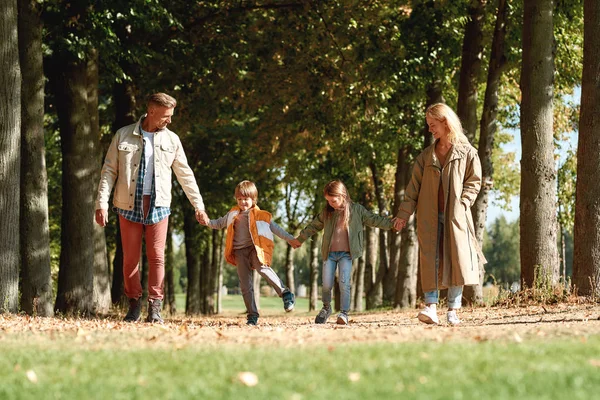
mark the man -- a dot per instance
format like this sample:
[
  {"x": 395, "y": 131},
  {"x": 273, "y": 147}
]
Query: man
[{"x": 138, "y": 164}]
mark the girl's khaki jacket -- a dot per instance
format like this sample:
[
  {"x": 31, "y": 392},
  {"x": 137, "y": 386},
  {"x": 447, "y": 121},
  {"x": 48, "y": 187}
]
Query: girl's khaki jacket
[
  {"x": 122, "y": 162},
  {"x": 461, "y": 181},
  {"x": 359, "y": 216}
]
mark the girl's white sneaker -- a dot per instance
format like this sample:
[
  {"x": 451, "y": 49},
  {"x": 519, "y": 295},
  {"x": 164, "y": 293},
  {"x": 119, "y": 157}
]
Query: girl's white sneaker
[
  {"x": 452, "y": 318},
  {"x": 428, "y": 316}
]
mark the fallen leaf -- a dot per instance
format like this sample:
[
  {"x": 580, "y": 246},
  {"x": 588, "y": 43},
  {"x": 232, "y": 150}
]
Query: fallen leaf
[
  {"x": 32, "y": 376},
  {"x": 594, "y": 362},
  {"x": 248, "y": 378},
  {"x": 517, "y": 338},
  {"x": 354, "y": 376}
]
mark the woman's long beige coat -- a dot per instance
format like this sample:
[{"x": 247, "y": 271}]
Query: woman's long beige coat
[{"x": 461, "y": 181}]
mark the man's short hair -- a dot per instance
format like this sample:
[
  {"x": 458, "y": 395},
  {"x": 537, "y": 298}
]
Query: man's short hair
[{"x": 161, "y": 100}]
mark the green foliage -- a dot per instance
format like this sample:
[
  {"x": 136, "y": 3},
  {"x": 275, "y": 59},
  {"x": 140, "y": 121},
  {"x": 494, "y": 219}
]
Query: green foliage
[
  {"x": 567, "y": 177},
  {"x": 507, "y": 176},
  {"x": 501, "y": 249}
]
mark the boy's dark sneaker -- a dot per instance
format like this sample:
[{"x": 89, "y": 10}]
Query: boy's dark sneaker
[
  {"x": 154, "y": 307},
  {"x": 323, "y": 315},
  {"x": 288, "y": 300},
  {"x": 252, "y": 320},
  {"x": 342, "y": 318},
  {"x": 135, "y": 311}
]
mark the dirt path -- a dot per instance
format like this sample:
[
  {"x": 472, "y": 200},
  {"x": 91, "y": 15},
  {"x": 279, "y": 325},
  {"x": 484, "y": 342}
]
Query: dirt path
[{"x": 298, "y": 329}]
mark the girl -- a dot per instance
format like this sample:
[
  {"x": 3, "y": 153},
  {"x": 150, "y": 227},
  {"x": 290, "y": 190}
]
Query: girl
[
  {"x": 343, "y": 222},
  {"x": 445, "y": 182}
]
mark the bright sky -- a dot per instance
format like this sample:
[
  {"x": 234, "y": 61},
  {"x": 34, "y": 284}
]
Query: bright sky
[{"x": 495, "y": 212}]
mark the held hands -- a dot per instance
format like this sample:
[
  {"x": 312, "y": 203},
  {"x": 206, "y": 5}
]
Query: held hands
[
  {"x": 295, "y": 243},
  {"x": 399, "y": 224},
  {"x": 202, "y": 217},
  {"x": 102, "y": 217}
]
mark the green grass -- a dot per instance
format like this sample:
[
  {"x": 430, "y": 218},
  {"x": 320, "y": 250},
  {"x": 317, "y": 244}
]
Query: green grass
[
  {"x": 556, "y": 369},
  {"x": 234, "y": 304}
]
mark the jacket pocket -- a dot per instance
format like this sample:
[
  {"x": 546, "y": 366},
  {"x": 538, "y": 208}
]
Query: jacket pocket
[
  {"x": 167, "y": 151},
  {"x": 126, "y": 147},
  {"x": 127, "y": 153}
]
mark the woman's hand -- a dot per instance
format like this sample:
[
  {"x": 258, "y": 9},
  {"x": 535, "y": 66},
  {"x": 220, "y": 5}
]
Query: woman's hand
[{"x": 399, "y": 223}]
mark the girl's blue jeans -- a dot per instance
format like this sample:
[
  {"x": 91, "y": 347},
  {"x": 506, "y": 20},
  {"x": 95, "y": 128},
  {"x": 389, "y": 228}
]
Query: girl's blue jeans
[
  {"x": 454, "y": 292},
  {"x": 342, "y": 260}
]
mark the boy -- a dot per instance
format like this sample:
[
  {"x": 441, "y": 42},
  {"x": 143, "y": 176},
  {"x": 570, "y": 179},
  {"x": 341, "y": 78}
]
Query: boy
[{"x": 249, "y": 245}]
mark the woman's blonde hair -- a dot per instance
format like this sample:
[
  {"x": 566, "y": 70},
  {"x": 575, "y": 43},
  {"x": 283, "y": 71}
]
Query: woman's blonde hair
[
  {"x": 441, "y": 112},
  {"x": 246, "y": 189},
  {"x": 337, "y": 188}
]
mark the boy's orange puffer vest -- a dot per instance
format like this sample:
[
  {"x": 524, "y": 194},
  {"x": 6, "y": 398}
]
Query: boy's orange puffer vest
[{"x": 260, "y": 231}]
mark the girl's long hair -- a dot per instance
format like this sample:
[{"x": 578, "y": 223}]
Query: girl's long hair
[
  {"x": 443, "y": 113},
  {"x": 337, "y": 188}
]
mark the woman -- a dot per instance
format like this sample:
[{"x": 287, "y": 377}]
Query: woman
[{"x": 445, "y": 182}]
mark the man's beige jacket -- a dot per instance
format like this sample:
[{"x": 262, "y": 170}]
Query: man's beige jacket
[{"x": 122, "y": 163}]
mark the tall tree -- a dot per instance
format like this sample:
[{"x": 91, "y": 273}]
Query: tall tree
[
  {"x": 488, "y": 127},
  {"x": 586, "y": 261},
  {"x": 102, "y": 295},
  {"x": 10, "y": 148},
  {"x": 36, "y": 281},
  {"x": 538, "y": 173},
  {"x": 470, "y": 68},
  {"x": 406, "y": 284},
  {"x": 77, "y": 256}
]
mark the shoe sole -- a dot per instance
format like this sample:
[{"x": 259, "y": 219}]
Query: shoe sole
[
  {"x": 340, "y": 321},
  {"x": 426, "y": 319},
  {"x": 289, "y": 308}
]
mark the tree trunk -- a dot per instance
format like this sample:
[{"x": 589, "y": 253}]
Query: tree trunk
[
  {"x": 539, "y": 256},
  {"x": 101, "y": 294},
  {"x": 360, "y": 285},
  {"x": 474, "y": 294},
  {"x": 10, "y": 149},
  {"x": 169, "y": 276},
  {"x": 395, "y": 237},
  {"x": 36, "y": 281},
  {"x": 205, "y": 273},
  {"x": 124, "y": 115},
  {"x": 314, "y": 275},
  {"x": 212, "y": 289},
  {"x": 388, "y": 271},
  {"x": 192, "y": 303},
  {"x": 470, "y": 68},
  {"x": 220, "y": 273},
  {"x": 406, "y": 287},
  {"x": 289, "y": 269},
  {"x": 586, "y": 258},
  {"x": 408, "y": 250},
  {"x": 77, "y": 256},
  {"x": 373, "y": 278}
]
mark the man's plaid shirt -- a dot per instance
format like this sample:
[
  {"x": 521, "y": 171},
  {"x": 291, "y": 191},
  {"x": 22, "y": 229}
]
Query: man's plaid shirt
[{"x": 155, "y": 214}]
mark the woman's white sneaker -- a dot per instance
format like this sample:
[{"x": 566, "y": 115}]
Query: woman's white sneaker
[
  {"x": 452, "y": 318},
  {"x": 428, "y": 316}
]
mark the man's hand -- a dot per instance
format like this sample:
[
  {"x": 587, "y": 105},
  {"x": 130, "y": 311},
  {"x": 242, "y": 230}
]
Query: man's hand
[
  {"x": 102, "y": 217},
  {"x": 295, "y": 243},
  {"x": 202, "y": 217}
]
